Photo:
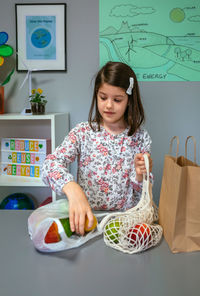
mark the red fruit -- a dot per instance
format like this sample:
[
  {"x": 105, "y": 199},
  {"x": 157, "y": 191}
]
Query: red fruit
[
  {"x": 52, "y": 235},
  {"x": 140, "y": 235},
  {"x": 46, "y": 201}
]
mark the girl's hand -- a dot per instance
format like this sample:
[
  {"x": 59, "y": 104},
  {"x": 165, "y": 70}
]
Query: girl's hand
[
  {"x": 79, "y": 207},
  {"x": 140, "y": 165}
]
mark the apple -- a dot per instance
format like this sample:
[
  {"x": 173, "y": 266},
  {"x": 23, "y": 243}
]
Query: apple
[
  {"x": 52, "y": 235},
  {"x": 94, "y": 225},
  {"x": 140, "y": 234},
  {"x": 111, "y": 231}
]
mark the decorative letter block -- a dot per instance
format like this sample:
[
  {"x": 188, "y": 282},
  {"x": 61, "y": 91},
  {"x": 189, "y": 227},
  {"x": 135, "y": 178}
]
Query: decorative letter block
[{"x": 23, "y": 157}]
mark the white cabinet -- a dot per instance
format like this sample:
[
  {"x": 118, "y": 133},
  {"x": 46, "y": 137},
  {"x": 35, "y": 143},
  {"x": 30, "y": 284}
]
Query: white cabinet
[{"x": 54, "y": 126}]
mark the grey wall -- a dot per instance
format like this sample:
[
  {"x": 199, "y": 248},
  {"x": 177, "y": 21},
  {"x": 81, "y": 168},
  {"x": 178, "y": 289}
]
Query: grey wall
[{"x": 171, "y": 107}]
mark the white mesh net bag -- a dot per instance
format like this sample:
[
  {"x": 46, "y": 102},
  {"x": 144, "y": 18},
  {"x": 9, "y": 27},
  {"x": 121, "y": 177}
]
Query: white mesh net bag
[{"x": 133, "y": 231}]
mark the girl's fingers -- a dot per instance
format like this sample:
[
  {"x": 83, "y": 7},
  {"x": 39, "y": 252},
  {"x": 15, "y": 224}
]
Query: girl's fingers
[
  {"x": 140, "y": 163},
  {"x": 81, "y": 224},
  {"x": 71, "y": 220},
  {"x": 77, "y": 223},
  {"x": 138, "y": 157},
  {"x": 90, "y": 218}
]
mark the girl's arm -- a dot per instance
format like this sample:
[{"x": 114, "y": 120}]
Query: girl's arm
[
  {"x": 55, "y": 173},
  {"x": 79, "y": 207},
  {"x": 139, "y": 165}
]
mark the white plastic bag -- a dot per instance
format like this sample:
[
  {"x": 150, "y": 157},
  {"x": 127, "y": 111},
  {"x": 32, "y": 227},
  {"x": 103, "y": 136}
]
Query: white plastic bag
[{"x": 42, "y": 218}]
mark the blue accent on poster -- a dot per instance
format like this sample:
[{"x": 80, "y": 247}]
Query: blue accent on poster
[{"x": 41, "y": 37}]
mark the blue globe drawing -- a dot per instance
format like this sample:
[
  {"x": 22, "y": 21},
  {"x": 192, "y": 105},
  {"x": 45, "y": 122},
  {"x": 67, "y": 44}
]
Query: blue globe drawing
[
  {"x": 41, "y": 38},
  {"x": 17, "y": 201}
]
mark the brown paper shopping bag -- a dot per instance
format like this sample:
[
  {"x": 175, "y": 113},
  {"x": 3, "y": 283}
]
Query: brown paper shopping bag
[{"x": 179, "y": 205}]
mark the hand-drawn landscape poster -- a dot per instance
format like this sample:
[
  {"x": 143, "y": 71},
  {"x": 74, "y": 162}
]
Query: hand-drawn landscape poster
[{"x": 159, "y": 39}]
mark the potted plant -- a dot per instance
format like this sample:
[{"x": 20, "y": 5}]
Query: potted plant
[{"x": 37, "y": 102}]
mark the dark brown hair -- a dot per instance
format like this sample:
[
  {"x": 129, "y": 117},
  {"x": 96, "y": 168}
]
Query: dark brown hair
[{"x": 118, "y": 74}]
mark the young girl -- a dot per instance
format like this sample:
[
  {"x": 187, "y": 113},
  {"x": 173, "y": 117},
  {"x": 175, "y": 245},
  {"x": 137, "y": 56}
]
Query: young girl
[{"x": 109, "y": 148}]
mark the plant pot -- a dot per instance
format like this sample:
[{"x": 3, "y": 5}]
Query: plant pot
[
  {"x": 1, "y": 99},
  {"x": 37, "y": 108}
]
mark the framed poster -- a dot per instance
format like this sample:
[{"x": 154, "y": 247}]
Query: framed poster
[{"x": 41, "y": 37}]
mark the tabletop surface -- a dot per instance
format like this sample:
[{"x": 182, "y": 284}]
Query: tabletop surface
[{"x": 93, "y": 269}]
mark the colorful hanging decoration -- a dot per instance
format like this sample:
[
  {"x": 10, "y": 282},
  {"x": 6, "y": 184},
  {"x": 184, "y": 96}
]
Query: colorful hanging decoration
[{"x": 5, "y": 50}]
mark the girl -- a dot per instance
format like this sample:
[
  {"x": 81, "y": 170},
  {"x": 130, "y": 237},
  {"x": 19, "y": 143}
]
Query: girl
[{"x": 109, "y": 148}]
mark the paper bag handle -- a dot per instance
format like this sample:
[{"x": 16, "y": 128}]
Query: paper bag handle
[
  {"x": 177, "y": 147},
  {"x": 194, "y": 141}
]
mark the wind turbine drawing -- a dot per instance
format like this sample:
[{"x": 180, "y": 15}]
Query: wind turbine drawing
[
  {"x": 130, "y": 48},
  {"x": 132, "y": 41},
  {"x": 27, "y": 109}
]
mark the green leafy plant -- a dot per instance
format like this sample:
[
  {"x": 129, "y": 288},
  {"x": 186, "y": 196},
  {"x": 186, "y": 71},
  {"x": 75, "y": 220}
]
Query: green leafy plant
[{"x": 37, "y": 97}]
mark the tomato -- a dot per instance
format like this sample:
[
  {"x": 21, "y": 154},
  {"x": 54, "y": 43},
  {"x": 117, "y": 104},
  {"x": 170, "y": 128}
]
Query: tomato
[{"x": 140, "y": 234}]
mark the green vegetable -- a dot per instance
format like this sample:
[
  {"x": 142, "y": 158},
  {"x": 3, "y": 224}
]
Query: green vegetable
[{"x": 66, "y": 225}]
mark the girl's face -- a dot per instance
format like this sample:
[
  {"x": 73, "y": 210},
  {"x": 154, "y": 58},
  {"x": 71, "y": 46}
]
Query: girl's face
[{"x": 112, "y": 103}]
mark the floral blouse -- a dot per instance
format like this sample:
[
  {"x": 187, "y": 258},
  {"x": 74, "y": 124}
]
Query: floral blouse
[{"x": 106, "y": 171}]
